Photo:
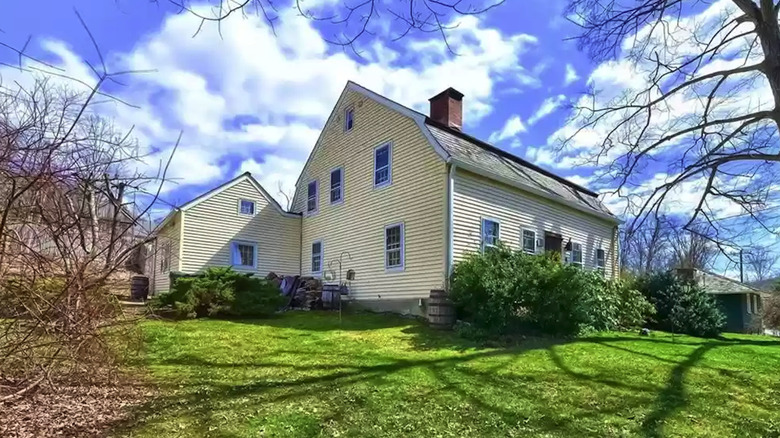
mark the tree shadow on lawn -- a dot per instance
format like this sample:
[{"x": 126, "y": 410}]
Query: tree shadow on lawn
[
  {"x": 673, "y": 397},
  {"x": 204, "y": 400},
  {"x": 324, "y": 320}
]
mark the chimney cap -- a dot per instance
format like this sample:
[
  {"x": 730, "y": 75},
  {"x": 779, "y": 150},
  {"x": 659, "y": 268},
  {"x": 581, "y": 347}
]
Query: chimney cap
[{"x": 450, "y": 92}]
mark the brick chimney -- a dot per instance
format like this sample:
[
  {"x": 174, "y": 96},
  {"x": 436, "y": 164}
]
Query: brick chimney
[{"x": 447, "y": 108}]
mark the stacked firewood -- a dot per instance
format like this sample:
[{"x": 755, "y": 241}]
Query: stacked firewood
[
  {"x": 306, "y": 291},
  {"x": 309, "y": 293}
]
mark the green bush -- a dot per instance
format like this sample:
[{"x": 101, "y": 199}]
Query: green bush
[
  {"x": 502, "y": 292},
  {"x": 682, "y": 306},
  {"x": 219, "y": 291}
]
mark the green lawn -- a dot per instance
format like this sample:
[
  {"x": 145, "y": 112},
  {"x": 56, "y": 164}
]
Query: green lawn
[{"x": 304, "y": 374}]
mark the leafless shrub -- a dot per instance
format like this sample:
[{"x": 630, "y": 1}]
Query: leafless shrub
[
  {"x": 771, "y": 311},
  {"x": 68, "y": 224}
]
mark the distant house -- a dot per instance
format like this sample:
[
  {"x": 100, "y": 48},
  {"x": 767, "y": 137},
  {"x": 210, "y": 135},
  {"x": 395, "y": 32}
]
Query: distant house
[
  {"x": 741, "y": 303},
  {"x": 399, "y": 197}
]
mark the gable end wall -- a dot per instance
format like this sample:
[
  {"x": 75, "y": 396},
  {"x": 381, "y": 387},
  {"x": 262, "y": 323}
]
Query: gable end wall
[
  {"x": 211, "y": 226},
  {"x": 416, "y": 197}
]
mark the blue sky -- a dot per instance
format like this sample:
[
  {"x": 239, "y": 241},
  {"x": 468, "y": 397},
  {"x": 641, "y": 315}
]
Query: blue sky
[
  {"x": 252, "y": 100},
  {"x": 539, "y": 68}
]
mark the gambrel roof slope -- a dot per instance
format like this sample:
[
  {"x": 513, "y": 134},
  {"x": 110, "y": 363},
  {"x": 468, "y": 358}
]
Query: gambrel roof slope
[{"x": 470, "y": 151}]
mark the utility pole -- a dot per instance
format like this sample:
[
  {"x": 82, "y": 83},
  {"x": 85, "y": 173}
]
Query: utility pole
[{"x": 741, "y": 271}]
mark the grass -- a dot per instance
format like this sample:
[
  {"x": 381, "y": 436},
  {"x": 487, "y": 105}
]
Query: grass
[{"x": 304, "y": 374}]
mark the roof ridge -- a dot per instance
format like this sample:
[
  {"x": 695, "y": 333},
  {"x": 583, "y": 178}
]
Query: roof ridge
[{"x": 723, "y": 277}]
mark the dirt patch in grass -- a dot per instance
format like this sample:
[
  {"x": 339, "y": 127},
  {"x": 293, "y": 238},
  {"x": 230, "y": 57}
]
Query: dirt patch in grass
[{"x": 86, "y": 410}]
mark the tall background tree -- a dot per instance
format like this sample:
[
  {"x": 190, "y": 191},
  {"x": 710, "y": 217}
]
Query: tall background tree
[
  {"x": 702, "y": 113},
  {"x": 761, "y": 262}
]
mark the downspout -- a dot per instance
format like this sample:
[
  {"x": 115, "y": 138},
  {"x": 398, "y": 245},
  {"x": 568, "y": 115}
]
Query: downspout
[
  {"x": 300, "y": 248},
  {"x": 616, "y": 253},
  {"x": 449, "y": 259},
  {"x": 180, "y": 265}
]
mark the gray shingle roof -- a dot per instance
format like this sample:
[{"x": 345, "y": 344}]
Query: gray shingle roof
[
  {"x": 718, "y": 284},
  {"x": 495, "y": 161}
]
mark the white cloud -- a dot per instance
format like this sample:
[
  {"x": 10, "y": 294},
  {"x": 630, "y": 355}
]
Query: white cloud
[
  {"x": 513, "y": 126},
  {"x": 571, "y": 75},
  {"x": 546, "y": 108},
  {"x": 680, "y": 199},
  {"x": 250, "y": 99},
  {"x": 277, "y": 175}
]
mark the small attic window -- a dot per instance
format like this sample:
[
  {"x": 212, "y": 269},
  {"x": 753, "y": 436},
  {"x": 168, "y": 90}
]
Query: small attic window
[
  {"x": 349, "y": 119},
  {"x": 246, "y": 207}
]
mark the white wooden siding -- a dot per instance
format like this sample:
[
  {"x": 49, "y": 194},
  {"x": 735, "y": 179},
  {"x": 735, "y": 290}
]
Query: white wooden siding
[
  {"x": 167, "y": 236},
  {"x": 416, "y": 197},
  {"x": 476, "y": 197},
  {"x": 211, "y": 226}
]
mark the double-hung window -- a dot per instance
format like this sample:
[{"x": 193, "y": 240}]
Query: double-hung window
[
  {"x": 394, "y": 247},
  {"x": 243, "y": 255},
  {"x": 752, "y": 303},
  {"x": 490, "y": 233},
  {"x": 382, "y": 165},
  {"x": 601, "y": 260},
  {"x": 316, "y": 257},
  {"x": 165, "y": 257},
  {"x": 246, "y": 207},
  {"x": 336, "y": 185},
  {"x": 575, "y": 256},
  {"x": 349, "y": 119},
  {"x": 312, "y": 198},
  {"x": 529, "y": 241}
]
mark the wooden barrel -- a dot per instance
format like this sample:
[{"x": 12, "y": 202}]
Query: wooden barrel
[
  {"x": 441, "y": 312},
  {"x": 139, "y": 288}
]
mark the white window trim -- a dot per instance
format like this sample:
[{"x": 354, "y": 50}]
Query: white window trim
[
  {"x": 316, "y": 198},
  {"x": 234, "y": 244},
  {"x": 330, "y": 186},
  {"x": 604, "y": 259},
  {"x": 581, "y": 263},
  {"x": 346, "y": 111},
  {"x": 389, "y": 166},
  {"x": 482, "y": 231},
  {"x": 522, "y": 239},
  {"x": 322, "y": 257},
  {"x": 254, "y": 207},
  {"x": 752, "y": 304},
  {"x": 403, "y": 248},
  {"x": 166, "y": 257}
]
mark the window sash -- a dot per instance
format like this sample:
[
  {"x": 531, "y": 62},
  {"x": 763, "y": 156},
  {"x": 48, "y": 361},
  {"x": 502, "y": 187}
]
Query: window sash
[
  {"x": 491, "y": 230},
  {"x": 243, "y": 255},
  {"x": 312, "y": 197},
  {"x": 394, "y": 247},
  {"x": 349, "y": 119},
  {"x": 529, "y": 237},
  {"x": 316, "y": 257},
  {"x": 576, "y": 253},
  {"x": 165, "y": 260},
  {"x": 335, "y": 185},
  {"x": 246, "y": 207},
  {"x": 600, "y": 259},
  {"x": 382, "y": 171}
]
